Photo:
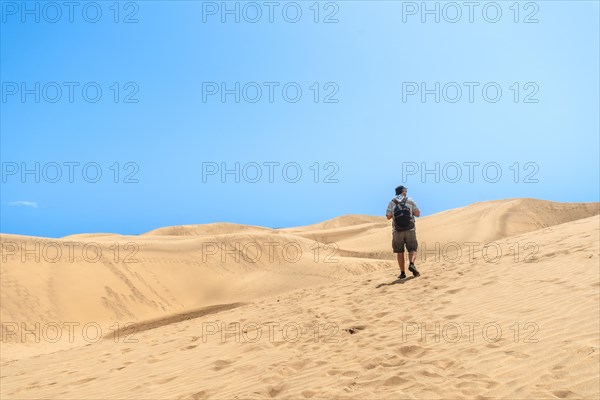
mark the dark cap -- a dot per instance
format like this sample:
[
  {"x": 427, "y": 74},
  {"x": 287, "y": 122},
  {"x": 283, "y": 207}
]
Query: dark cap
[{"x": 401, "y": 189}]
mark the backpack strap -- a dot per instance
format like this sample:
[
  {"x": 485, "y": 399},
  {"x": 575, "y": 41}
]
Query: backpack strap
[{"x": 403, "y": 202}]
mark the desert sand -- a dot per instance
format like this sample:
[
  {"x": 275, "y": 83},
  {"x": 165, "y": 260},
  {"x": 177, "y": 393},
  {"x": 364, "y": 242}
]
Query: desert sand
[{"x": 508, "y": 306}]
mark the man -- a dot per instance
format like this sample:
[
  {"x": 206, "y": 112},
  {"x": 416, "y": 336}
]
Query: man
[{"x": 406, "y": 234}]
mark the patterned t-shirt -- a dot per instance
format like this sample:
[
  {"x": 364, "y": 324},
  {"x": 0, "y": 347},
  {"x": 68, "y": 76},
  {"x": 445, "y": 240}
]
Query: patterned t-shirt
[{"x": 409, "y": 204}]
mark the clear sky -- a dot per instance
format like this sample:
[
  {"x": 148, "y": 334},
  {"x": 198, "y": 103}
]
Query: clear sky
[{"x": 343, "y": 93}]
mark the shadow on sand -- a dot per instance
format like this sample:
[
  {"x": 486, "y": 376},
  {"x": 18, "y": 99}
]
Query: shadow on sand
[{"x": 396, "y": 282}]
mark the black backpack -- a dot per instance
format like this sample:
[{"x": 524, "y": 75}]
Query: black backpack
[{"x": 402, "y": 216}]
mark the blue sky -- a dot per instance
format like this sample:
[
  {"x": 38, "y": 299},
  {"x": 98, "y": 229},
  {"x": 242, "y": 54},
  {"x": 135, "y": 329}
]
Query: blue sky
[{"x": 158, "y": 123}]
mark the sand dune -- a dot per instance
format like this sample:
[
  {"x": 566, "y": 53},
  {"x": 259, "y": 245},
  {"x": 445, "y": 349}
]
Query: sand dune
[
  {"x": 360, "y": 329},
  {"x": 137, "y": 278},
  {"x": 206, "y": 229},
  {"x": 340, "y": 222},
  {"x": 480, "y": 222}
]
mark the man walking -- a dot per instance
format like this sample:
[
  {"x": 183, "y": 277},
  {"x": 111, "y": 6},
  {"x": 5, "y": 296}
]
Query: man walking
[{"x": 402, "y": 211}]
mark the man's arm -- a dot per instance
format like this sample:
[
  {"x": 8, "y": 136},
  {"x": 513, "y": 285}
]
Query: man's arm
[
  {"x": 416, "y": 212},
  {"x": 388, "y": 212}
]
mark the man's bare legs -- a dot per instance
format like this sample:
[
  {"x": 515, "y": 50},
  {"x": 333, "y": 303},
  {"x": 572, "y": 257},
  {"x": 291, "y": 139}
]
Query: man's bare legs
[
  {"x": 412, "y": 257},
  {"x": 401, "y": 261}
]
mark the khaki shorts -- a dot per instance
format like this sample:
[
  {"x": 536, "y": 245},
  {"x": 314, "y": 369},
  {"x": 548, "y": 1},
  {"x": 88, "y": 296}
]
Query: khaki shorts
[{"x": 408, "y": 238}]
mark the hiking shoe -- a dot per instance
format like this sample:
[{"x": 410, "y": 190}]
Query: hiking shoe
[
  {"x": 402, "y": 275},
  {"x": 413, "y": 269}
]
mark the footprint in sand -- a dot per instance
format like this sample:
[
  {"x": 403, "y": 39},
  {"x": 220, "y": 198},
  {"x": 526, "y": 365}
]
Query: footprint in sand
[
  {"x": 396, "y": 381},
  {"x": 372, "y": 363},
  {"x": 564, "y": 394},
  {"x": 298, "y": 365},
  {"x": 473, "y": 376},
  {"x": 472, "y": 351},
  {"x": 453, "y": 316},
  {"x": 516, "y": 354},
  {"x": 285, "y": 372},
  {"x": 493, "y": 345},
  {"x": 220, "y": 364},
  {"x": 430, "y": 374},
  {"x": 356, "y": 310},
  {"x": 194, "y": 396},
  {"x": 394, "y": 362},
  {"x": 412, "y": 351},
  {"x": 274, "y": 391},
  {"x": 83, "y": 381}
]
